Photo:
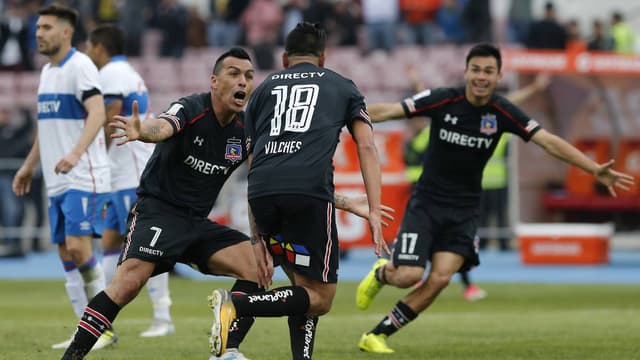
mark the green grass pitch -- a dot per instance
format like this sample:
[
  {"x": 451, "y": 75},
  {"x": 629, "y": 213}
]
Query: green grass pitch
[{"x": 516, "y": 321}]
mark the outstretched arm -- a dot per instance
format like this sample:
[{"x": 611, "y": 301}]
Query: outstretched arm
[
  {"x": 385, "y": 111},
  {"x": 523, "y": 94},
  {"x": 568, "y": 153},
  {"x": 359, "y": 206},
  {"x": 151, "y": 130}
]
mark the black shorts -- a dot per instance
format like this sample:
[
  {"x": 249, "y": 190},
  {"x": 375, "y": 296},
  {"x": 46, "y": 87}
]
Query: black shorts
[
  {"x": 164, "y": 234},
  {"x": 301, "y": 234},
  {"x": 428, "y": 228}
]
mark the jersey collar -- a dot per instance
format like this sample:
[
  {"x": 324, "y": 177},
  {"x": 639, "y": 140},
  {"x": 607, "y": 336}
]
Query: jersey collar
[
  {"x": 67, "y": 57},
  {"x": 118, "y": 58}
]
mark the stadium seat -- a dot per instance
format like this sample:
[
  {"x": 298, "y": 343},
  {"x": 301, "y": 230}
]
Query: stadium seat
[
  {"x": 7, "y": 83},
  {"x": 163, "y": 76},
  {"x": 27, "y": 88}
]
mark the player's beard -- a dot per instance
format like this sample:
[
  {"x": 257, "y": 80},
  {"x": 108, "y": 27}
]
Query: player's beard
[{"x": 48, "y": 51}]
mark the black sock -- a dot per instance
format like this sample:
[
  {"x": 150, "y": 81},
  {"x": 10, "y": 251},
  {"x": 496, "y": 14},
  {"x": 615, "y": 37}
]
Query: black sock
[
  {"x": 399, "y": 316},
  {"x": 97, "y": 318},
  {"x": 282, "y": 301},
  {"x": 240, "y": 326},
  {"x": 381, "y": 274},
  {"x": 464, "y": 276},
  {"x": 302, "y": 330}
]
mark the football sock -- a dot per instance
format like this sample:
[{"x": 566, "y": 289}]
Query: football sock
[
  {"x": 241, "y": 325},
  {"x": 464, "y": 276},
  {"x": 93, "y": 277},
  {"x": 110, "y": 263},
  {"x": 75, "y": 288},
  {"x": 282, "y": 301},
  {"x": 158, "y": 288},
  {"x": 381, "y": 275},
  {"x": 97, "y": 318},
  {"x": 399, "y": 316},
  {"x": 302, "y": 330}
]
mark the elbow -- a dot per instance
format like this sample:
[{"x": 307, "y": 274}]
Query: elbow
[{"x": 367, "y": 149}]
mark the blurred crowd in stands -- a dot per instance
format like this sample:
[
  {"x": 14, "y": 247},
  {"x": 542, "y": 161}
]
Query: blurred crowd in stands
[
  {"x": 261, "y": 24},
  {"x": 183, "y": 27}
]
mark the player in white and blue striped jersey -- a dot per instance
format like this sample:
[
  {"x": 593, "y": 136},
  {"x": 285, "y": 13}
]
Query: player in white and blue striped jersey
[
  {"x": 121, "y": 86},
  {"x": 70, "y": 145}
]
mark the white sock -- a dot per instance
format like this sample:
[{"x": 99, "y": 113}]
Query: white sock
[
  {"x": 93, "y": 276},
  {"x": 75, "y": 291},
  {"x": 110, "y": 263},
  {"x": 158, "y": 287}
]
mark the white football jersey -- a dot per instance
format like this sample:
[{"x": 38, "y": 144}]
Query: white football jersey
[
  {"x": 119, "y": 80},
  {"x": 61, "y": 119}
]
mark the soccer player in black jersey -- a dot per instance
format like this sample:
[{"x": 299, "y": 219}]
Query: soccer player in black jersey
[
  {"x": 440, "y": 221},
  {"x": 293, "y": 123},
  {"x": 199, "y": 144}
]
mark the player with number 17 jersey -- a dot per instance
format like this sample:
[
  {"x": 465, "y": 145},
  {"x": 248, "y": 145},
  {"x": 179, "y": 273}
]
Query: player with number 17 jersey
[{"x": 293, "y": 123}]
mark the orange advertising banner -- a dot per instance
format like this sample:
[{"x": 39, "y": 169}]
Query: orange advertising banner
[
  {"x": 353, "y": 231},
  {"x": 596, "y": 63}
]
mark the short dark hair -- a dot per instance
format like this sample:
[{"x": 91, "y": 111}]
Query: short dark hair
[
  {"x": 306, "y": 39},
  {"x": 235, "y": 52},
  {"x": 617, "y": 16},
  {"x": 62, "y": 12},
  {"x": 110, "y": 36},
  {"x": 485, "y": 50}
]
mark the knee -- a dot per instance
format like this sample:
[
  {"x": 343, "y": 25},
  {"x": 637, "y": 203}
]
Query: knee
[
  {"x": 320, "y": 307},
  {"x": 77, "y": 254},
  {"x": 320, "y": 300},
  {"x": 439, "y": 280},
  {"x": 125, "y": 286}
]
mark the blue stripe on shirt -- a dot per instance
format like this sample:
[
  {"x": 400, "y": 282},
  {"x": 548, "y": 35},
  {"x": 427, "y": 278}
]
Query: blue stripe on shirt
[
  {"x": 143, "y": 103},
  {"x": 60, "y": 106}
]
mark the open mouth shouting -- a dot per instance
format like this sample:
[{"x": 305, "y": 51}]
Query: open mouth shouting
[{"x": 240, "y": 97}]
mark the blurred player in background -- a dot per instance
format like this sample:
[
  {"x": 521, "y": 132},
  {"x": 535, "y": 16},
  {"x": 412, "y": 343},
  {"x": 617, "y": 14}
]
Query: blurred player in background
[
  {"x": 293, "y": 126},
  {"x": 121, "y": 86},
  {"x": 71, "y": 146},
  {"x": 441, "y": 218}
]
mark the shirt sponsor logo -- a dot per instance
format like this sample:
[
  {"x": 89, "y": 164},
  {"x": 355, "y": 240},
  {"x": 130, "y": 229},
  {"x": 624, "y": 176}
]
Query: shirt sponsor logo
[
  {"x": 475, "y": 142},
  {"x": 52, "y": 106},
  {"x": 303, "y": 75},
  {"x": 233, "y": 151},
  {"x": 205, "y": 167},
  {"x": 488, "y": 124}
]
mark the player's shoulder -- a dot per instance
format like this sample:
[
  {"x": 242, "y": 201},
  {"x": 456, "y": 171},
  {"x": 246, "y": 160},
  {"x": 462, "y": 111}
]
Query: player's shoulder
[
  {"x": 196, "y": 102},
  {"x": 439, "y": 94},
  {"x": 80, "y": 59},
  {"x": 503, "y": 102}
]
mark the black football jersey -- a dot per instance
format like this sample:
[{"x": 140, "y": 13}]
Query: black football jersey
[
  {"x": 461, "y": 141},
  {"x": 292, "y": 126},
  {"x": 189, "y": 168}
]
